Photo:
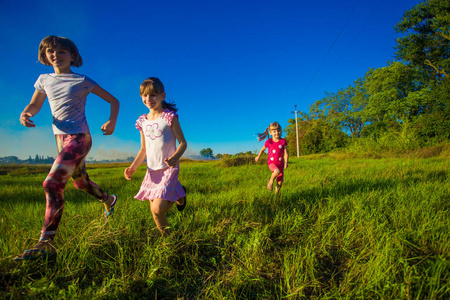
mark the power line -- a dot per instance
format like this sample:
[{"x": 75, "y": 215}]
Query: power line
[
  {"x": 331, "y": 47},
  {"x": 357, "y": 35}
]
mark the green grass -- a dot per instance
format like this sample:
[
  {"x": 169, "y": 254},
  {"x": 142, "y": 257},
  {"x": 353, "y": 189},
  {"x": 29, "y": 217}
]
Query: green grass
[{"x": 340, "y": 229}]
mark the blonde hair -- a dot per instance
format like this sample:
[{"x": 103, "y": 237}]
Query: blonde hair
[
  {"x": 53, "y": 41},
  {"x": 153, "y": 85},
  {"x": 265, "y": 134}
]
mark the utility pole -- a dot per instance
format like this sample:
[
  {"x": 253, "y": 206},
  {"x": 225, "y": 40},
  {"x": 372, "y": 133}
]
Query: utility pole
[{"x": 296, "y": 127}]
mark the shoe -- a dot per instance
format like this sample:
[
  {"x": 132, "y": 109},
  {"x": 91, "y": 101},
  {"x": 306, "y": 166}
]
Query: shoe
[
  {"x": 181, "y": 207},
  {"x": 109, "y": 215},
  {"x": 43, "y": 249}
]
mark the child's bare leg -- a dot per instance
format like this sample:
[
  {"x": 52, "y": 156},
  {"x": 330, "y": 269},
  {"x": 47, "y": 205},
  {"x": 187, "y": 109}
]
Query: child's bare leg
[
  {"x": 278, "y": 187},
  {"x": 159, "y": 208},
  {"x": 275, "y": 173}
]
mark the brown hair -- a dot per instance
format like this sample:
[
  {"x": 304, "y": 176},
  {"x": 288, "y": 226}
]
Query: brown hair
[
  {"x": 153, "y": 85},
  {"x": 53, "y": 41},
  {"x": 265, "y": 134}
]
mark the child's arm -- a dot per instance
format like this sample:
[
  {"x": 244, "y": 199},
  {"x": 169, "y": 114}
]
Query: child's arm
[
  {"x": 108, "y": 127},
  {"x": 286, "y": 158},
  {"x": 137, "y": 161},
  {"x": 32, "y": 109},
  {"x": 176, "y": 128},
  {"x": 260, "y": 153}
]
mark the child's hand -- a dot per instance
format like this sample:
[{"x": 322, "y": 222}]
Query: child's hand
[
  {"x": 285, "y": 165},
  {"x": 108, "y": 128},
  {"x": 25, "y": 120},
  {"x": 171, "y": 161},
  {"x": 256, "y": 159},
  {"x": 128, "y": 173}
]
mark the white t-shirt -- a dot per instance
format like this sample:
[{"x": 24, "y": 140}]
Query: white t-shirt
[
  {"x": 67, "y": 95},
  {"x": 160, "y": 142}
]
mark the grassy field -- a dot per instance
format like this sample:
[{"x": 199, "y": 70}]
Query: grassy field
[{"x": 340, "y": 229}]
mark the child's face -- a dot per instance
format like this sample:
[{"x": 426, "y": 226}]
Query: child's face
[
  {"x": 59, "y": 58},
  {"x": 275, "y": 132},
  {"x": 153, "y": 101}
]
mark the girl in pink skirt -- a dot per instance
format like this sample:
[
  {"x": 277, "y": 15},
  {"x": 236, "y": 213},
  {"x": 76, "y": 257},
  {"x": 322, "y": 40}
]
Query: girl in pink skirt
[{"x": 159, "y": 130}]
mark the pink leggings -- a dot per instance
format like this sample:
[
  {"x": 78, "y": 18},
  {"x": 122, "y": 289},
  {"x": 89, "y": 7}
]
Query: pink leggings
[{"x": 72, "y": 149}]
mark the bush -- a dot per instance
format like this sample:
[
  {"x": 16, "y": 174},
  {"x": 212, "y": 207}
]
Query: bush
[
  {"x": 242, "y": 160},
  {"x": 321, "y": 137},
  {"x": 433, "y": 128}
]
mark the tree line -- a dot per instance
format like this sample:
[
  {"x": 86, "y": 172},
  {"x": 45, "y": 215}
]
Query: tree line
[
  {"x": 37, "y": 160},
  {"x": 208, "y": 153},
  {"x": 404, "y": 105}
]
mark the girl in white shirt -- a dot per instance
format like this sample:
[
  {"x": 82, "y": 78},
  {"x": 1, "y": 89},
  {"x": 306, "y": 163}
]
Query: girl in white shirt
[
  {"x": 66, "y": 93},
  {"x": 159, "y": 131}
]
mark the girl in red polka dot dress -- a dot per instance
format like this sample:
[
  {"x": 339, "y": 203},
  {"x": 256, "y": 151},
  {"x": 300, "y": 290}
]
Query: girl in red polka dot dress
[{"x": 278, "y": 155}]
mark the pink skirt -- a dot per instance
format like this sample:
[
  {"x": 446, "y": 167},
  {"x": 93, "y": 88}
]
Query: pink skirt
[{"x": 161, "y": 184}]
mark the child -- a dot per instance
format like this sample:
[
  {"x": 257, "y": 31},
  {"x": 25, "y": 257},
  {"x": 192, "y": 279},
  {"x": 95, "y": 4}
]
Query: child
[
  {"x": 277, "y": 151},
  {"x": 66, "y": 92},
  {"x": 159, "y": 129}
]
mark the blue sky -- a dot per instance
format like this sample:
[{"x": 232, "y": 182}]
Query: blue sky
[{"x": 232, "y": 67}]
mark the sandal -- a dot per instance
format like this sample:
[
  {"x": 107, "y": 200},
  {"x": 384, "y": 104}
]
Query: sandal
[
  {"x": 109, "y": 215},
  {"x": 43, "y": 249},
  {"x": 269, "y": 186},
  {"x": 182, "y": 206}
]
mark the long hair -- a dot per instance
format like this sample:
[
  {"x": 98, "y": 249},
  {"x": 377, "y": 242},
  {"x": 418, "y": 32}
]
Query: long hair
[
  {"x": 153, "y": 85},
  {"x": 53, "y": 41},
  {"x": 265, "y": 134}
]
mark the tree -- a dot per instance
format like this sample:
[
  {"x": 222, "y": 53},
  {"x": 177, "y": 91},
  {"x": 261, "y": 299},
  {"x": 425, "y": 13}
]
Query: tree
[
  {"x": 208, "y": 153},
  {"x": 342, "y": 109},
  {"x": 315, "y": 136},
  {"x": 408, "y": 99},
  {"x": 426, "y": 44},
  {"x": 434, "y": 127},
  {"x": 396, "y": 94},
  {"x": 291, "y": 137},
  {"x": 321, "y": 137}
]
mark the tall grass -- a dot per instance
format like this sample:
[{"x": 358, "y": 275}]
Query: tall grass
[{"x": 340, "y": 228}]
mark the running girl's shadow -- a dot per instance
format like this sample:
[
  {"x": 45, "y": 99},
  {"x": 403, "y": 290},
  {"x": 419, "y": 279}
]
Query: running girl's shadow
[{"x": 22, "y": 273}]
